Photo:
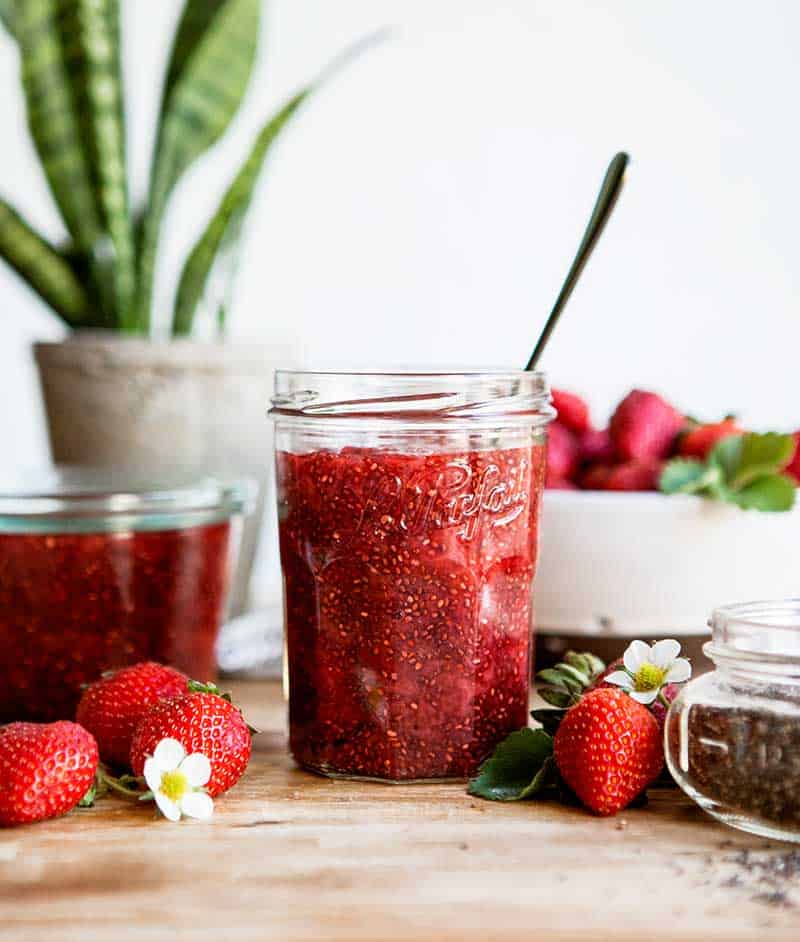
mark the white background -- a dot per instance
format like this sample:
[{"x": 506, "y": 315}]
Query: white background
[{"x": 425, "y": 206}]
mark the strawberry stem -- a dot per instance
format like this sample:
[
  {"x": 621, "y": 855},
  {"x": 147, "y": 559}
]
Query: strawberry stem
[{"x": 129, "y": 786}]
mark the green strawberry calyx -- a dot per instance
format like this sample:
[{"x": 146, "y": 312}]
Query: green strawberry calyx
[
  {"x": 745, "y": 469},
  {"x": 126, "y": 786},
  {"x": 563, "y": 685}
]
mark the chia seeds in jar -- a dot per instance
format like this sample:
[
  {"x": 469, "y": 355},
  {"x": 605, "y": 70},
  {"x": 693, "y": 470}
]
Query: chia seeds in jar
[
  {"x": 408, "y": 510},
  {"x": 733, "y": 736}
]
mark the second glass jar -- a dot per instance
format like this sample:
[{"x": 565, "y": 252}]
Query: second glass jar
[{"x": 408, "y": 508}]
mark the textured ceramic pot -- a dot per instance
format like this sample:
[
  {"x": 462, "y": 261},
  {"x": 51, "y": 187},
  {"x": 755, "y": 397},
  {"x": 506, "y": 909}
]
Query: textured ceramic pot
[{"x": 178, "y": 404}]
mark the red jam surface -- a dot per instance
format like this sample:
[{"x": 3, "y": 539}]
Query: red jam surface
[
  {"x": 408, "y": 606},
  {"x": 73, "y": 605}
]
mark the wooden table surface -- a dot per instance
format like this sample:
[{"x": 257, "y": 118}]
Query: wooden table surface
[{"x": 290, "y": 856}]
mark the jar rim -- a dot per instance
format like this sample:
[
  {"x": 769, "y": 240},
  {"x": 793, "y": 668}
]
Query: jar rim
[
  {"x": 420, "y": 397},
  {"x": 765, "y": 632},
  {"x": 68, "y": 499}
]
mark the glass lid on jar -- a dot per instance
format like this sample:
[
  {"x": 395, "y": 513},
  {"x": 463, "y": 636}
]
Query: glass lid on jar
[{"x": 86, "y": 500}]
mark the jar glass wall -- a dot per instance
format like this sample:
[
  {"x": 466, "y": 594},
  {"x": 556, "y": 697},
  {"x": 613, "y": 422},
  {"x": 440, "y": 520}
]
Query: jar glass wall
[
  {"x": 99, "y": 570},
  {"x": 408, "y": 508},
  {"x": 732, "y": 737}
]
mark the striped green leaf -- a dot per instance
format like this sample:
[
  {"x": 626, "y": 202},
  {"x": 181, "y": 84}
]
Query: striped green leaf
[
  {"x": 52, "y": 120},
  {"x": 216, "y": 251},
  {"x": 218, "y": 245},
  {"x": 195, "y": 21},
  {"x": 44, "y": 269},
  {"x": 210, "y": 67},
  {"x": 7, "y": 15},
  {"x": 91, "y": 42}
]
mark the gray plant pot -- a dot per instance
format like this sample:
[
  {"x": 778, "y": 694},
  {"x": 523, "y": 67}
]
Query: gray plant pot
[{"x": 116, "y": 402}]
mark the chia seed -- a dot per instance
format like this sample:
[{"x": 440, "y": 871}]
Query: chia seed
[{"x": 747, "y": 758}]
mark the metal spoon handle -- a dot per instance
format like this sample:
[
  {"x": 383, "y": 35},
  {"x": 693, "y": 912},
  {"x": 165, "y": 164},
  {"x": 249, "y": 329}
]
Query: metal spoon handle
[{"x": 603, "y": 207}]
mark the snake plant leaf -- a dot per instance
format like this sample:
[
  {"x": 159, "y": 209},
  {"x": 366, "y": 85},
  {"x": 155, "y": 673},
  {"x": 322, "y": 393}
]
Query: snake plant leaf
[
  {"x": 218, "y": 243},
  {"x": 90, "y": 38},
  {"x": 52, "y": 120},
  {"x": 217, "y": 248},
  {"x": 42, "y": 267},
  {"x": 7, "y": 16},
  {"x": 209, "y": 71},
  {"x": 194, "y": 23}
]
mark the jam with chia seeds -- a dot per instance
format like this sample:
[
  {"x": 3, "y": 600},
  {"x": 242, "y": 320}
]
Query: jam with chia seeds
[
  {"x": 73, "y": 605},
  {"x": 408, "y": 605}
]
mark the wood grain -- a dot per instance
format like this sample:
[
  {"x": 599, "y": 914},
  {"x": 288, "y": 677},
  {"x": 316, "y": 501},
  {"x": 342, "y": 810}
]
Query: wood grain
[{"x": 289, "y": 856}]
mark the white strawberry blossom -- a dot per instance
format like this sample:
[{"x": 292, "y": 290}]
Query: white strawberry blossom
[
  {"x": 176, "y": 781},
  {"x": 650, "y": 668}
]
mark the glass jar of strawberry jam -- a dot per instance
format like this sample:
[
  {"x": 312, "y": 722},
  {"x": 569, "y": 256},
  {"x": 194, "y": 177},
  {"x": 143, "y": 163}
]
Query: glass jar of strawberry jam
[
  {"x": 408, "y": 507},
  {"x": 99, "y": 570}
]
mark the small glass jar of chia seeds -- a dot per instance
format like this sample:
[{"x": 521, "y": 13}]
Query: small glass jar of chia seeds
[{"x": 732, "y": 736}]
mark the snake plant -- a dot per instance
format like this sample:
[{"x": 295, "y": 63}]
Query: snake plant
[{"x": 69, "y": 51}]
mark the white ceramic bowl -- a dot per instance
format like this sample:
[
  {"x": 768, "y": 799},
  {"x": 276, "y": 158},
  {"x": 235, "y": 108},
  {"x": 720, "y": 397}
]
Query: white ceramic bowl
[{"x": 645, "y": 564}]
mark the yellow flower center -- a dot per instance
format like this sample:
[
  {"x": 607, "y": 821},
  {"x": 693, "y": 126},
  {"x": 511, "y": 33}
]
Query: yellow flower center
[
  {"x": 174, "y": 785},
  {"x": 648, "y": 677}
]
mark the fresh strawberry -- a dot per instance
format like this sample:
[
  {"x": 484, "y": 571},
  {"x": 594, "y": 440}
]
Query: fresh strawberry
[
  {"x": 562, "y": 453},
  {"x": 202, "y": 721},
  {"x": 596, "y": 447},
  {"x": 634, "y": 476},
  {"x": 644, "y": 426},
  {"x": 698, "y": 441},
  {"x": 572, "y": 411},
  {"x": 594, "y": 477},
  {"x": 608, "y": 750},
  {"x": 793, "y": 468},
  {"x": 657, "y": 708},
  {"x": 600, "y": 680},
  {"x": 559, "y": 484},
  {"x": 111, "y": 707},
  {"x": 45, "y": 770}
]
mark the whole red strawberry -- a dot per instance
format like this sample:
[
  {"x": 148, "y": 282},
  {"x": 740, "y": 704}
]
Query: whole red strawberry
[
  {"x": 202, "y": 722},
  {"x": 572, "y": 410},
  {"x": 657, "y": 708},
  {"x": 608, "y": 749},
  {"x": 45, "y": 770},
  {"x": 111, "y": 707},
  {"x": 698, "y": 442},
  {"x": 600, "y": 680},
  {"x": 793, "y": 468},
  {"x": 560, "y": 484},
  {"x": 562, "y": 453},
  {"x": 596, "y": 447},
  {"x": 644, "y": 426},
  {"x": 633, "y": 476},
  {"x": 594, "y": 477}
]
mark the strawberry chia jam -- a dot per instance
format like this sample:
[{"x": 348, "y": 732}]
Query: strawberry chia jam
[
  {"x": 109, "y": 591},
  {"x": 407, "y": 577}
]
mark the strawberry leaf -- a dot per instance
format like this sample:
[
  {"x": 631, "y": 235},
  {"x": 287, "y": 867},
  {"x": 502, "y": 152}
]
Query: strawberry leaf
[
  {"x": 771, "y": 493},
  {"x": 520, "y": 767},
  {"x": 742, "y": 469},
  {"x": 550, "y": 719},
  {"x": 687, "y": 476},
  {"x": 760, "y": 455},
  {"x": 726, "y": 455}
]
